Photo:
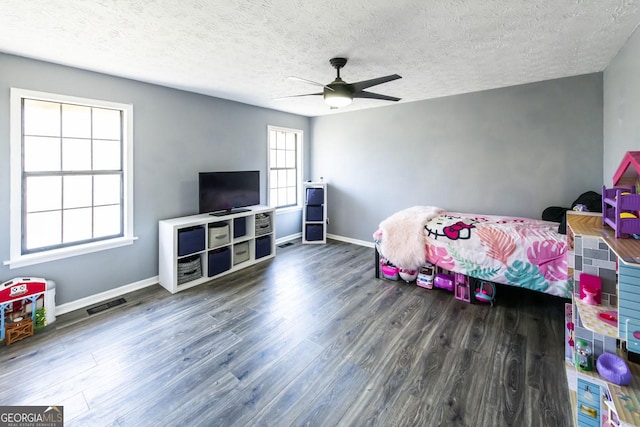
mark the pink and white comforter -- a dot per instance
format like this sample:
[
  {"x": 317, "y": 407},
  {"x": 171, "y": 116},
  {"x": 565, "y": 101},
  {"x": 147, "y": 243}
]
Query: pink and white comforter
[{"x": 515, "y": 251}]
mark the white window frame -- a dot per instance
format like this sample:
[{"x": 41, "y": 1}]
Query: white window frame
[
  {"x": 299, "y": 167},
  {"x": 17, "y": 259}
]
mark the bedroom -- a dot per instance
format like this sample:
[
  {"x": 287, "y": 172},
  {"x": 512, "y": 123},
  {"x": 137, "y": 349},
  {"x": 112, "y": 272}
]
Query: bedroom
[{"x": 510, "y": 150}]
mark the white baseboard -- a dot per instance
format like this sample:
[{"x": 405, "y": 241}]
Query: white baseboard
[
  {"x": 288, "y": 238},
  {"x": 103, "y": 296},
  {"x": 350, "y": 240}
]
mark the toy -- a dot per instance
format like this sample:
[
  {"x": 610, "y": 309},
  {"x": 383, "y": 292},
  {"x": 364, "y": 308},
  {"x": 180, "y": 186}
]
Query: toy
[
  {"x": 444, "y": 281},
  {"x": 583, "y": 355},
  {"x": 408, "y": 275},
  {"x": 15, "y": 296},
  {"x": 609, "y": 316},
  {"x": 485, "y": 292},
  {"x": 426, "y": 275},
  {"x": 389, "y": 271},
  {"x": 613, "y": 369},
  {"x": 463, "y": 288},
  {"x": 590, "y": 288},
  {"x": 621, "y": 203}
]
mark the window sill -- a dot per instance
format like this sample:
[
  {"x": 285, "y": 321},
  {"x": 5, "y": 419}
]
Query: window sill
[{"x": 53, "y": 255}]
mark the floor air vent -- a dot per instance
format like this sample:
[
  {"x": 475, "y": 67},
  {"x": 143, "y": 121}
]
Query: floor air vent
[
  {"x": 284, "y": 245},
  {"x": 106, "y": 306}
]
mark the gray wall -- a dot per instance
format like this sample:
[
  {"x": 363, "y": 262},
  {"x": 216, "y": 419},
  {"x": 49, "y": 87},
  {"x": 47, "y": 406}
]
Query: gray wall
[
  {"x": 176, "y": 135},
  {"x": 621, "y": 106},
  {"x": 513, "y": 151}
]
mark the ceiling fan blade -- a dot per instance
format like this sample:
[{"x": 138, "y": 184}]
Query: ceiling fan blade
[
  {"x": 371, "y": 95},
  {"x": 296, "y": 96},
  {"x": 358, "y": 86},
  {"x": 300, "y": 79}
]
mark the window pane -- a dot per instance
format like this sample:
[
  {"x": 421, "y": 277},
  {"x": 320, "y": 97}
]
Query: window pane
[
  {"x": 106, "y": 190},
  {"x": 273, "y": 160},
  {"x": 280, "y": 159},
  {"x": 291, "y": 195},
  {"x": 43, "y": 193},
  {"x": 291, "y": 177},
  {"x": 291, "y": 159},
  {"x": 76, "y": 225},
  {"x": 106, "y": 155},
  {"x": 76, "y": 154},
  {"x": 291, "y": 141},
  {"x": 76, "y": 121},
  {"x": 282, "y": 196},
  {"x": 41, "y": 118},
  {"x": 106, "y": 221},
  {"x": 106, "y": 124},
  {"x": 273, "y": 179},
  {"x": 282, "y": 178},
  {"x": 272, "y": 140},
  {"x": 41, "y": 154},
  {"x": 280, "y": 138},
  {"x": 76, "y": 192},
  {"x": 43, "y": 229},
  {"x": 273, "y": 197}
]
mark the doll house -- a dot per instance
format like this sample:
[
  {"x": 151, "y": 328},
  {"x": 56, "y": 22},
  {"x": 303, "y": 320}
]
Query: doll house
[
  {"x": 19, "y": 300},
  {"x": 621, "y": 203}
]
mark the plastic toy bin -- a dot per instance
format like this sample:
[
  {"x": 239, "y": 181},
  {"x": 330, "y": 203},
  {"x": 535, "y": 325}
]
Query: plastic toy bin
[
  {"x": 219, "y": 261},
  {"x": 190, "y": 240}
]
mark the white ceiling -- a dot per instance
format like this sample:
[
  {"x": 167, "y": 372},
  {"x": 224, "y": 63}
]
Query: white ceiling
[{"x": 244, "y": 50}]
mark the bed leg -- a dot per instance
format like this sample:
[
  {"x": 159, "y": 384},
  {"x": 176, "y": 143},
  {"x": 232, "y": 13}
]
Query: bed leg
[{"x": 377, "y": 266}]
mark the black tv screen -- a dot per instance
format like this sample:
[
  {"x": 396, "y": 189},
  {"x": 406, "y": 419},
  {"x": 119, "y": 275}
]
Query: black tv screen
[{"x": 224, "y": 192}]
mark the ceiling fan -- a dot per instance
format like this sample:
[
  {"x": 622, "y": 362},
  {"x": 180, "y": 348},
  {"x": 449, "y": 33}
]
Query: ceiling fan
[{"x": 339, "y": 93}]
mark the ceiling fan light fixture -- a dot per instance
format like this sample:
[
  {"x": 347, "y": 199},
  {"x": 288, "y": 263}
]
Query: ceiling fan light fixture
[{"x": 337, "y": 100}]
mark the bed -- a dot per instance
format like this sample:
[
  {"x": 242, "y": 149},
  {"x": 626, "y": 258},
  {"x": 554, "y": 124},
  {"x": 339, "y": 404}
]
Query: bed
[{"x": 514, "y": 251}]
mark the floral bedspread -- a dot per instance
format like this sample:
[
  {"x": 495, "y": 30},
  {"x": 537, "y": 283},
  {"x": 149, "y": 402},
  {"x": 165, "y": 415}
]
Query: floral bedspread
[{"x": 515, "y": 251}]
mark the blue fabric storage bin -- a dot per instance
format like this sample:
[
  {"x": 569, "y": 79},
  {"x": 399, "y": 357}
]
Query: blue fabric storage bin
[
  {"x": 315, "y": 196},
  {"x": 219, "y": 261},
  {"x": 239, "y": 227},
  {"x": 263, "y": 246},
  {"x": 315, "y": 213},
  {"x": 190, "y": 240},
  {"x": 314, "y": 232}
]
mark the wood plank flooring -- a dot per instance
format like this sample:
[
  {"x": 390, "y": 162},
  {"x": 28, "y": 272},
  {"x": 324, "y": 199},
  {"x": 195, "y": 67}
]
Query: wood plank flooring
[{"x": 310, "y": 338}]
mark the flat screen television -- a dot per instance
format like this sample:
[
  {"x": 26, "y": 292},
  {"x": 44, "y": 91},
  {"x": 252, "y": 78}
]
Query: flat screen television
[{"x": 222, "y": 193}]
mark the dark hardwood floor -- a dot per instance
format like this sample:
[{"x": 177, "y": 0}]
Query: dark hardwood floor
[{"x": 310, "y": 338}]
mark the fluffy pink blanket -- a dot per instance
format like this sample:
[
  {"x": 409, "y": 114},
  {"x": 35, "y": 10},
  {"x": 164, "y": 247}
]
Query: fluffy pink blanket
[{"x": 402, "y": 240}]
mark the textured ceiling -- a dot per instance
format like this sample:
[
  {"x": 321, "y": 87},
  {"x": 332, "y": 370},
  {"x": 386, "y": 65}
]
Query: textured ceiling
[{"x": 244, "y": 50}]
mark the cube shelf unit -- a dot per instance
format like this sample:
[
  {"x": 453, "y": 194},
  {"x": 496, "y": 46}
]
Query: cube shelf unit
[
  {"x": 198, "y": 248},
  {"x": 314, "y": 214}
]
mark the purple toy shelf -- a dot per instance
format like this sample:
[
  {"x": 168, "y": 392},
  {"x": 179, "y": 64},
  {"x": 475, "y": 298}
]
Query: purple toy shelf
[{"x": 614, "y": 204}]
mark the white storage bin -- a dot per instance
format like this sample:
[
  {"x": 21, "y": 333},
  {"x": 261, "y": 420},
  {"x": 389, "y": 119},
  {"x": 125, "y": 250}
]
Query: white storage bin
[
  {"x": 218, "y": 234},
  {"x": 240, "y": 252}
]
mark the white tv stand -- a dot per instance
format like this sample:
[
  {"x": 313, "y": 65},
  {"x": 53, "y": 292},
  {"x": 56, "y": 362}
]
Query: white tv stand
[{"x": 199, "y": 242}]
